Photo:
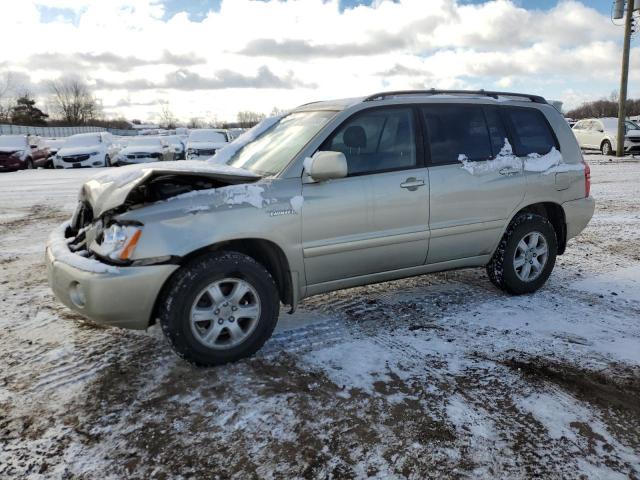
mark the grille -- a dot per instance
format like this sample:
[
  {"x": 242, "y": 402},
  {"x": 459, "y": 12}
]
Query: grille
[
  {"x": 201, "y": 153},
  {"x": 75, "y": 158}
]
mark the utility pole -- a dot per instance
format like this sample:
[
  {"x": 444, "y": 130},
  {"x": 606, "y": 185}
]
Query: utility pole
[{"x": 624, "y": 79}]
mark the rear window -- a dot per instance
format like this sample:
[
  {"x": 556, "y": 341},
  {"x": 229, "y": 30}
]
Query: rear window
[
  {"x": 531, "y": 132},
  {"x": 455, "y": 130}
]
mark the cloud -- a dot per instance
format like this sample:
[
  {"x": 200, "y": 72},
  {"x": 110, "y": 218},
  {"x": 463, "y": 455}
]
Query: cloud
[
  {"x": 187, "y": 80},
  {"x": 306, "y": 50},
  {"x": 85, "y": 61}
]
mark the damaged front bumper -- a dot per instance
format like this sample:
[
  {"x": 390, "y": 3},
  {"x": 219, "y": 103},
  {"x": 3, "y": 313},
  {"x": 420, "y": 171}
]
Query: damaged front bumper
[{"x": 121, "y": 296}]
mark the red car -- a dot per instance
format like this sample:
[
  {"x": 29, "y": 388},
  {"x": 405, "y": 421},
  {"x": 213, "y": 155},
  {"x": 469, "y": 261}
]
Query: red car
[{"x": 18, "y": 152}]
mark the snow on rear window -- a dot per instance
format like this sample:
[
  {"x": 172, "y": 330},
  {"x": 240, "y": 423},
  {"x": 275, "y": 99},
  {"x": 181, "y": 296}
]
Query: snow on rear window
[
  {"x": 207, "y": 136},
  {"x": 13, "y": 141},
  {"x": 151, "y": 141},
  {"x": 82, "y": 141}
]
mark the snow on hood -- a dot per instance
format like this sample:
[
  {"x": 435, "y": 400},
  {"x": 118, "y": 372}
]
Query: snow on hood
[
  {"x": 551, "y": 162},
  {"x": 110, "y": 189},
  {"x": 207, "y": 145},
  {"x": 224, "y": 155},
  {"x": 141, "y": 149},
  {"x": 79, "y": 150}
]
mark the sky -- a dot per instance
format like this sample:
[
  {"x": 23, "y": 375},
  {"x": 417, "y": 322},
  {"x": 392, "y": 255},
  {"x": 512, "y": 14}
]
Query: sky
[{"x": 210, "y": 59}]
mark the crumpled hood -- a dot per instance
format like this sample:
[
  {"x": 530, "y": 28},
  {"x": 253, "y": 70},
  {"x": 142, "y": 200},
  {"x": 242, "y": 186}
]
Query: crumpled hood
[
  {"x": 206, "y": 145},
  {"x": 140, "y": 149},
  {"x": 110, "y": 189},
  {"x": 63, "y": 152}
]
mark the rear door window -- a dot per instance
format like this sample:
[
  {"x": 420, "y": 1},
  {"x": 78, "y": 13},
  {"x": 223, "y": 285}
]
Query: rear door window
[
  {"x": 530, "y": 130},
  {"x": 458, "y": 130}
]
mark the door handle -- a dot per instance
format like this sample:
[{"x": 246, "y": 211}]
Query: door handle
[
  {"x": 412, "y": 183},
  {"x": 508, "y": 171}
]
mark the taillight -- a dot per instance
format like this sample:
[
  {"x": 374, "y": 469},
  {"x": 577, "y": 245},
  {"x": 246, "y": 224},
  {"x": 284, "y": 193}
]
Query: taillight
[{"x": 587, "y": 178}]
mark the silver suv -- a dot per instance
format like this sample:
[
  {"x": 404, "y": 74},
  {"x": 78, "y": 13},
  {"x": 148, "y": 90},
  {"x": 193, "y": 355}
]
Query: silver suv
[{"x": 332, "y": 195}]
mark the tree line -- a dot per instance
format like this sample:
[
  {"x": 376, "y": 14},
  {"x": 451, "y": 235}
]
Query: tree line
[
  {"x": 603, "y": 108},
  {"x": 71, "y": 102}
]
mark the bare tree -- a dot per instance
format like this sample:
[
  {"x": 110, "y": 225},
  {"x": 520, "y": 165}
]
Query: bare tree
[
  {"x": 72, "y": 100},
  {"x": 166, "y": 118},
  {"x": 7, "y": 87},
  {"x": 248, "y": 119},
  {"x": 194, "y": 122}
]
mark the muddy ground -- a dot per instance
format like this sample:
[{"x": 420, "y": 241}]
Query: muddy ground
[{"x": 436, "y": 376}]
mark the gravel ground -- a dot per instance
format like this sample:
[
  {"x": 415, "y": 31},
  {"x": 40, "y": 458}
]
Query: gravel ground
[{"x": 438, "y": 375}]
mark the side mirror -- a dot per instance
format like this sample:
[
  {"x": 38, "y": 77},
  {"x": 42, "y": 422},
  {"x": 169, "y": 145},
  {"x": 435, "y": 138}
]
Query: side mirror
[{"x": 326, "y": 166}]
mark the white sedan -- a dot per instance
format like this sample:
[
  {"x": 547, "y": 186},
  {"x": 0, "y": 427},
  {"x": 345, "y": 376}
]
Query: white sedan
[
  {"x": 601, "y": 134},
  {"x": 86, "y": 150}
]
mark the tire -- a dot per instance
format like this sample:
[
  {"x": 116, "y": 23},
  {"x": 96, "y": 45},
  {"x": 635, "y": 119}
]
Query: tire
[
  {"x": 606, "y": 148},
  {"x": 30, "y": 165},
  {"x": 107, "y": 161},
  {"x": 188, "y": 291},
  {"x": 506, "y": 268}
]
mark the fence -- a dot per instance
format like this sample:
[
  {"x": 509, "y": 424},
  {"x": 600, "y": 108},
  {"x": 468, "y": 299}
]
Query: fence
[{"x": 58, "y": 131}]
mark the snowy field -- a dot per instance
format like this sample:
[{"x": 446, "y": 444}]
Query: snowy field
[{"x": 439, "y": 375}]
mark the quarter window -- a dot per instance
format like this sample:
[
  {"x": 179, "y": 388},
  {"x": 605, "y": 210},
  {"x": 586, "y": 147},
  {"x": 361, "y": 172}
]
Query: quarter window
[
  {"x": 375, "y": 141},
  {"x": 455, "y": 130},
  {"x": 531, "y": 132}
]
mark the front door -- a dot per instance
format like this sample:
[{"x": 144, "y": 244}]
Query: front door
[{"x": 375, "y": 219}]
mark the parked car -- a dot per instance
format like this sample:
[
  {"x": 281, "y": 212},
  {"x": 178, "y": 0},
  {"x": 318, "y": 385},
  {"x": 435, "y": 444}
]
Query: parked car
[
  {"x": 205, "y": 142},
  {"x": 177, "y": 146},
  {"x": 144, "y": 149},
  {"x": 53, "y": 144},
  {"x": 18, "y": 152},
  {"x": 332, "y": 195},
  {"x": 86, "y": 150},
  {"x": 602, "y": 133}
]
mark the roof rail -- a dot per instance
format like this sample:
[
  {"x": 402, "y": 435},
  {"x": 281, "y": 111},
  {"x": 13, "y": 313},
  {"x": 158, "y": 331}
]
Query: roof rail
[{"x": 433, "y": 91}]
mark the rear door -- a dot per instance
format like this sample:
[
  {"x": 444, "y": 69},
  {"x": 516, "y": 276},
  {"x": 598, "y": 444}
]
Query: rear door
[
  {"x": 375, "y": 219},
  {"x": 469, "y": 206}
]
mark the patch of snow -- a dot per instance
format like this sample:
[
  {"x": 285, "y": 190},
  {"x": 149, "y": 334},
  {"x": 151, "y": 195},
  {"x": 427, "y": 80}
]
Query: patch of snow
[
  {"x": 58, "y": 245},
  {"x": 238, "y": 194},
  {"x": 623, "y": 284},
  {"x": 296, "y": 203},
  {"x": 551, "y": 162},
  {"x": 223, "y": 155}
]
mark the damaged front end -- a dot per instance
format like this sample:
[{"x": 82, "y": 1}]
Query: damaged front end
[{"x": 95, "y": 230}]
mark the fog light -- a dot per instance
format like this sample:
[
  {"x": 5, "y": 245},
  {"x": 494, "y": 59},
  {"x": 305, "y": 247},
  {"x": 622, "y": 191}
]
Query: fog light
[
  {"x": 76, "y": 294},
  {"x": 97, "y": 164}
]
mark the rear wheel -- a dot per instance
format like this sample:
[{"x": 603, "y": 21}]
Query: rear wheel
[
  {"x": 525, "y": 256},
  {"x": 605, "y": 148},
  {"x": 219, "y": 308}
]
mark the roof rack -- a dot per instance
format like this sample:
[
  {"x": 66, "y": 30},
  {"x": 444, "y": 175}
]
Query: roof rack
[{"x": 433, "y": 91}]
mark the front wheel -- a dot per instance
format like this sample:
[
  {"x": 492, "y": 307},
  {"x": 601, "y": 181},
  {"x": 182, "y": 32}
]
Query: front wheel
[
  {"x": 525, "y": 256},
  {"x": 107, "y": 161},
  {"x": 606, "y": 148},
  {"x": 30, "y": 165},
  {"x": 219, "y": 308}
]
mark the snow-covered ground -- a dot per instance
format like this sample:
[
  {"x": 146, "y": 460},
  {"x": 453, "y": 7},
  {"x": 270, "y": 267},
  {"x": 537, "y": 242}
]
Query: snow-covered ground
[{"x": 439, "y": 375}]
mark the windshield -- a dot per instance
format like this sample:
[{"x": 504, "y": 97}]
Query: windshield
[
  {"x": 13, "y": 141},
  {"x": 82, "y": 141},
  {"x": 150, "y": 141},
  {"x": 207, "y": 136},
  {"x": 273, "y": 150}
]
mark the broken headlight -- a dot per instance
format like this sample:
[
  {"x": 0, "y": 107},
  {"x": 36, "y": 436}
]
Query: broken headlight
[{"x": 118, "y": 242}]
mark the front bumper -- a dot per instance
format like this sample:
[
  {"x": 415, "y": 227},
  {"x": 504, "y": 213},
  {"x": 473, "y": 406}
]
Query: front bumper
[
  {"x": 124, "y": 298},
  {"x": 578, "y": 213}
]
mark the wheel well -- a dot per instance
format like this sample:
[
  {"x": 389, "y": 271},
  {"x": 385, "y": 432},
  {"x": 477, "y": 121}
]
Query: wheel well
[
  {"x": 555, "y": 214},
  {"x": 267, "y": 253}
]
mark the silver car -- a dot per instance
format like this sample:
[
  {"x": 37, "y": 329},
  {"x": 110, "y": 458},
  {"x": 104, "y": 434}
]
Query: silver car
[{"x": 332, "y": 195}]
